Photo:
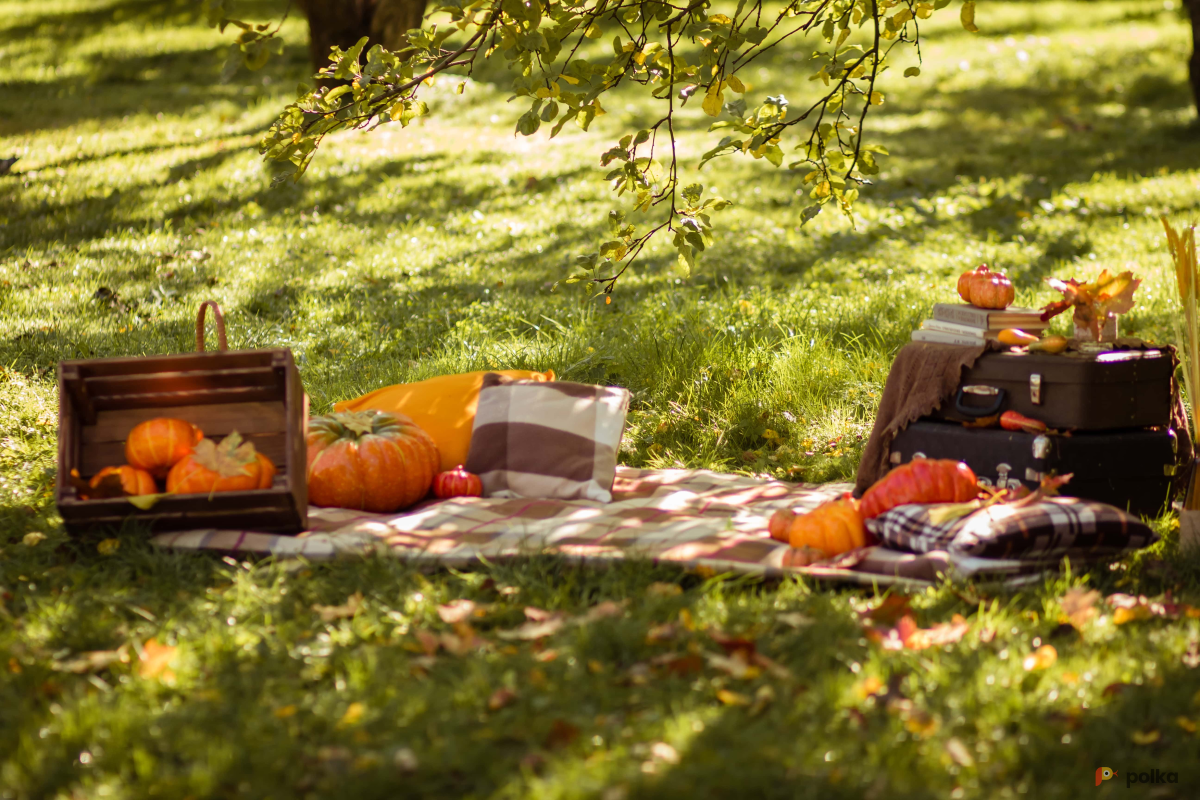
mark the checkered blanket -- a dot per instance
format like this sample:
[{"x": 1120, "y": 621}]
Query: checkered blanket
[{"x": 707, "y": 521}]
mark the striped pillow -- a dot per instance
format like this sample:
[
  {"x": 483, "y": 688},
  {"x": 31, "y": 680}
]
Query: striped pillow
[{"x": 557, "y": 439}]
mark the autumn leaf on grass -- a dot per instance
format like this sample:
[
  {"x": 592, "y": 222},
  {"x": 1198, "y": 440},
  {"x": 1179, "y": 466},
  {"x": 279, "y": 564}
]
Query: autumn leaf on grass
[
  {"x": 1131, "y": 608},
  {"x": 534, "y": 629},
  {"x": 888, "y": 610},
  {"x": 661, "y": 633},
  {"x": 92, "y": 661},
  {"x": 678, "y": 664},
  {"x": 463, "y": 640},
  {"x": 660, "y": 589},
  {"x": 733, "y": 698},
  {"x": 156, "y": 661},
  {"x": 1079, "y": 606},
  {"x": 907, "y": 635},
  {"x": 1042, "y": 658},
  {"x": 348, "y": 609},
  {"x": 601, "y": 610},
  {"x": 1191, "y": 658},
  {"x": 562, "y": 733},
  {"x": 500, "y": 698},
  {"x": 738, "y": 666},
  {"x": 354, "y": 713},
  {"x": 456, "y": 611}
]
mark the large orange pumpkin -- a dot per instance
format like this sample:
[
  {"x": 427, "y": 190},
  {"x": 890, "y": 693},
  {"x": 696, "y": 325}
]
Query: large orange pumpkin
[
  {"x": 231, "y": 466},
  {"x": 158, "y": 444},
  {"x": 369, "y": 460},
  {"x": 921, "y": 481},
  {"x": 986, "y": 289},
  {"x": 833, "y": 527},
  {"x": 133, "y": 480}
]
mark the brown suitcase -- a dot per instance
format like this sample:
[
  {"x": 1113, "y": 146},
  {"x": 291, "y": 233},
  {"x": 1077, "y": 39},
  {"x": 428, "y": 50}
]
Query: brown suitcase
[{"x": 1070, "y": 391}]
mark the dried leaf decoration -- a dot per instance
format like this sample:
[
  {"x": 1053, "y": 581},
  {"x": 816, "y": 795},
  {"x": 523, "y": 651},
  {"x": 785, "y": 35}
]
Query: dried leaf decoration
[
  {"x": 228, "y": 459},
  {"x": 1094, "y": 301}
]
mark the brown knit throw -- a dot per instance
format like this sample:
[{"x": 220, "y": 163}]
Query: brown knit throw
[{"x": 922, "y": 376}]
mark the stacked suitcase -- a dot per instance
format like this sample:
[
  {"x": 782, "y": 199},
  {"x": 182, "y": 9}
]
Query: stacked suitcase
[{"x": 1109, "y": 413}]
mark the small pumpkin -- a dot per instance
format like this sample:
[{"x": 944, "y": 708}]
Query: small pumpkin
[
  {"x": 369, "y": 460},
  {"x": 983, "y": 288},
  {"x": 831, "y": 528},
  {"x": 231, "y": 466},
  {"x": 924, "y": 480},
  {"x": 457, "y": 482},
  {"x": 158, "y": 444},
  {"x": 134, "y": 481}
]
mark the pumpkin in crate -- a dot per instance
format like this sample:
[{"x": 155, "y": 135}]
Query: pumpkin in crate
[
  {"x": 369, "y": 460},
  {"x": 983, "y": 288},
  {"x": 158, "y": 444},
  {"x": 833, "y": 528},
  {"x": 457, "y": 482},
  {"x": 134, "y": 481},
  {"x": 923, "y": 480},
  {"x": 231, "y": 466}
]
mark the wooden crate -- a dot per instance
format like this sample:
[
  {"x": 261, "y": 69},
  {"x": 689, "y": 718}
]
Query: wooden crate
[{"x": 258, "y": 393}]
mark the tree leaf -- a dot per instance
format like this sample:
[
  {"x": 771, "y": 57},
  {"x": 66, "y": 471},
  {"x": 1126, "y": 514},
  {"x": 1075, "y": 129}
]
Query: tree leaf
[
  {"x": 967, "y": 16},
  {"x": 229, "y": 458}
]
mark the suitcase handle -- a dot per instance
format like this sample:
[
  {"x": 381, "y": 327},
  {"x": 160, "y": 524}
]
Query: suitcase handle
[{"x": 975, "y": 411}]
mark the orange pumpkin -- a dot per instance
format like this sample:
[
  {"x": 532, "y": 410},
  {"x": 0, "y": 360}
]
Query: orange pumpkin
[
  {"x": 369, "y": 460},
  {"x": 986, "y": 289},
  {"x": 921, "y": 481},
  {"x": 457, "y": 482},
  {"x": 133, "y": 480},
  {"x": 231, "y": 466},
  {"x": 832, "y": 528},
  {"x": 158, "y": 444}
]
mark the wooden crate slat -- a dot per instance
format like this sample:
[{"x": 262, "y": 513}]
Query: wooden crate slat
[
  {"x": 248, "y": 394},
  {"x": 144, "y": 365},
  {"x": 192, "y": 503},
  {"x": 95, "y": 457},
  {"x": 215, "y": 420},
  {"x": 189, "y": 381},
  {"x": 267, "y": 520}
]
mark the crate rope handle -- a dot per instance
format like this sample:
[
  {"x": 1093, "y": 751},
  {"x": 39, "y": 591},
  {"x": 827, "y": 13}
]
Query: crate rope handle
[{"x": 219, "y": 318}]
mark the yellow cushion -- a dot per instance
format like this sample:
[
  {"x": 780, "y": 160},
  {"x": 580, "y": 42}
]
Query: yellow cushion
[{"x": 444, "y": 407}]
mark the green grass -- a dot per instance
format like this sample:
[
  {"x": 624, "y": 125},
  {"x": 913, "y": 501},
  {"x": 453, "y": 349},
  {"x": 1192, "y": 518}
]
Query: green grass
[{"x": 1049, "y": 144}]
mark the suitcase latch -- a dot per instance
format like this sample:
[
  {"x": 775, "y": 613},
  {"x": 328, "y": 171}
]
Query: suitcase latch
[
  {"x": 1041, "y": 446},
  {"x": 1035, "y": 388}
]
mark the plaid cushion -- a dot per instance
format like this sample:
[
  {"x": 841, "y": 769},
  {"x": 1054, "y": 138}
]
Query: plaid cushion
[
  {"x": 556, "y": 440},
  {"x": 1043, "y": 531}
]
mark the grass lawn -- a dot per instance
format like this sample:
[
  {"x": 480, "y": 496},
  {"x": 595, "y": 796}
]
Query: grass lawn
[{"x": 1047, "y": 144}]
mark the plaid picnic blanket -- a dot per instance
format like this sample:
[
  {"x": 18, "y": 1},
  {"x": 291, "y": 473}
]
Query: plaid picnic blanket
[{"x": 707, "y": 521}]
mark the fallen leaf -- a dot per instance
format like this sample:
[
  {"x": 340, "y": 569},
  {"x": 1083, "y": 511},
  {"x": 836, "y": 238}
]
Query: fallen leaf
[
  {"x": 146, "y": 501},
  {"x": 959, "y": 753},
  {"x": 867, "y": 687},
  {"x": 660, "y": 589},
  {"x": 405, "y": 760},
  {"x": 1191, "y": 657},
  {"x": 1079, "y": 606},
  {"x": 771, "y": 666},
  {"x": 1042, "y": 658},
  {"x": 562, "y": 733},
  {"x": 429, "y": 642},
  {"x": 1114, "y": 689},
  {"x": 736, "y": 666},
  {"x": 156, "y": 660},
  {"x": 733, "y": 698},
  {"x": 285, "y": 711},
  {"x": 732, "y": 644},
  {"x": 107, "y": 547},
  {"x": 545, "y": 655},
  {"x": 888, "y": 611},
  {"x": 661, "y": 633},
  {"x": 664, "y": 752},
  {"x": 456, "y": 611},
  {"x": 678, "y": 664},
  {"x": 601, "y": 610},
  {"x": 1123, "y": 616},
  {"x": 463, "y": 640},
  {"x": 908, "y": 635},
  {"x": 92, "y": 661},
  {"x": 354, "y": 713},
  {"x": 1186, "y": 724},
  {"x": 348, "y": 609},
  {"x": 795, "y": 619},
  {"x": 540, "y": 614},
  {"x": 987, "y": 635},
  {"x": 501, "y": 698},
  {"x": 33, "y": 539},
  {"x": 921, "y": 723},
  {"x": 762, "y": 698},
  {"x": 534, "y": 629},
  {"x": 1145, "y": 737}
]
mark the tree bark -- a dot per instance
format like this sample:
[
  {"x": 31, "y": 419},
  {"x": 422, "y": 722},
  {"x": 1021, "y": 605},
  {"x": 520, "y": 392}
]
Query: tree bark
[
  {"x": 1193, "y": 7},
  {"x": 341, "y": 23}
]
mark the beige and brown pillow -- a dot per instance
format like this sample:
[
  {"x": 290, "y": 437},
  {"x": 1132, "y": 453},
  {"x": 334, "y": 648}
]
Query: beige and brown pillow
[{"x": 557, "y": 439}]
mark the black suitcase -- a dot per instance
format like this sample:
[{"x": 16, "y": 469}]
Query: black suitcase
[
  {"x": 1070, "y": 391},
  {"x": 1129, "y": 469}
]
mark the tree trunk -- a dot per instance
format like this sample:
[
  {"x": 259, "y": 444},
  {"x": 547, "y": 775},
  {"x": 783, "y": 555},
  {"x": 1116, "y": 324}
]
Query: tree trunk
[
  {"x": 1193, "y": 7},
  {"x": 341, "y": 23}
]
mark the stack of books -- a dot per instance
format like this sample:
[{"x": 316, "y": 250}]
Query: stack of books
[{"x": 964, "y": 324}]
